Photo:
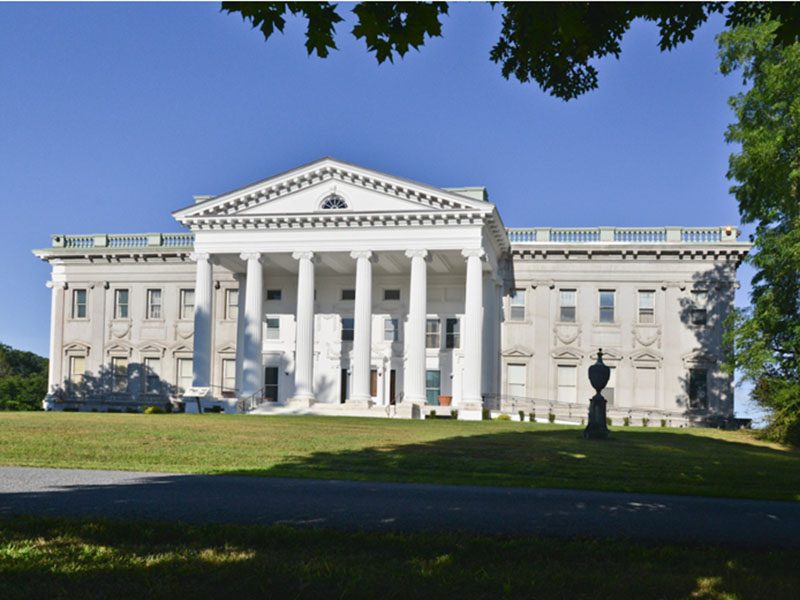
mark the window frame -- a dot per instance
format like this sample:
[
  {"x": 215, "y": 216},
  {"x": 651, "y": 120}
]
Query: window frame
[
  {"x": 429, "y": 388},
  {"x": 274, "y": 295},
  {"x": 452, "y": 335},
  {"x": 698, "y": 313},
  {"x": 572, "y": 386},
  {"x": 346, "y": 292},
  {"x": 600, "y": 306},
  {"x": 270, "y": 322},
  {"x": 118, "y": 377},
  {"x": 394, "y": 323},
  {"x": 231, "y": 304},
  {"x": 521, "y": 293},
  {"x": 149, "y": 305},
  {"x": 388, "y": 291},
  {"x": 642, "y": 310},
  {"x": 76, "y": 384},
  {"x": 179, "y": 377},
  {"x": 149, "y": 374},
  {"x": 696, "y": 403},
  {"x": 562, "y": 306},
  {"x": 437, "y": 334},
  {"x": 118, "y": 304},
  {"x": 77, "y": 305},
  {"x": 226, "y": 378},
  {"x": 347, "y": 337},
  {"x": 182, "y": 305}
]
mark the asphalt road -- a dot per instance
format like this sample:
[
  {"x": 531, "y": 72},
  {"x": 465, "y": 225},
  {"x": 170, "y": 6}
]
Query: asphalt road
[{"x": 397, "y": 506}]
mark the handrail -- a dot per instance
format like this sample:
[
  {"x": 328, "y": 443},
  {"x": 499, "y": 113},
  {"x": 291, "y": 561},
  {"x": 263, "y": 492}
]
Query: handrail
[
  {"x": 119, "y": 241},
  {"x": 251, "y": 402}
]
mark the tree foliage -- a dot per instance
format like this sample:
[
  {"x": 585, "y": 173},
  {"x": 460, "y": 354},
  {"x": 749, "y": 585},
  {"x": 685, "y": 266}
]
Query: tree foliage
[
  {"x": 766, "y": 172},
  {"x": 551, "y": 43},
  {"x": 23, "y": 379}
]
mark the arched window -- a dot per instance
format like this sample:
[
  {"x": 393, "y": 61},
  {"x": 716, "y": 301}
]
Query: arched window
[{"x": 333, "y": 202}]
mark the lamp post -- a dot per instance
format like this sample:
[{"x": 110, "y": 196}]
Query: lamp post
[{"x": 598, "y": 377}]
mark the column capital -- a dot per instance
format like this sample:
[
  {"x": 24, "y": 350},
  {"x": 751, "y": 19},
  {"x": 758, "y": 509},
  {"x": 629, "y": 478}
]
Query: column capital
[
  {"x": 470, "y": 252},
  {"x": 306, "y": 255},
  {"x": 200, "y": 256},
  {"x": 239, "y": 277},
  {"x": 56, "y": 285},
  {"x": 418, "y": 254},
  {"x": 368, "y": 254},
  {"x": 247, "y": 256}
]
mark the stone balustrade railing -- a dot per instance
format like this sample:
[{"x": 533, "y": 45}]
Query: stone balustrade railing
[
  {"x": 632, "y": 235},
  {"x": 125, "y": 241}
]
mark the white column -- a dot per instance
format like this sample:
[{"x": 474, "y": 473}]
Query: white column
[
  {"x": 203, "y": 301},
  {"x": 304, "y": 343},
  {"x": 362, "y": 334},
  {"x": 241, "y": 278},
  {"x": 252, "y": 366},
  {"x": 471, "y": 401},
  {"x": 55, "y": 380},
  {"x": 414, "y": 375}
]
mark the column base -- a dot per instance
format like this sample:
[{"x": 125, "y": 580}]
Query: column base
[
  {"x": 359, "y": 402},
  {"x": 301, "y": 401},
  {"x": 470, "y": 411}
]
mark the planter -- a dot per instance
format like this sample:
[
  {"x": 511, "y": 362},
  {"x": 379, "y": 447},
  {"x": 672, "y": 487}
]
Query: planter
[{"x": 445, "y": 400}]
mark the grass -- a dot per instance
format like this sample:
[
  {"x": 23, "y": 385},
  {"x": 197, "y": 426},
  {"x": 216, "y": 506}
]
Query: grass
[
  {"x": 50, "y": 558},
  {"x": 676, "y": 461}
]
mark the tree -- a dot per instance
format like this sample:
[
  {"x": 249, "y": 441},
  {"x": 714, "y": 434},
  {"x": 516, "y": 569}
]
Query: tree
[
  {"x": 23, "y": 379},
  {"x": 766, "y": 172},
  {"x": 553, "y": 44}
]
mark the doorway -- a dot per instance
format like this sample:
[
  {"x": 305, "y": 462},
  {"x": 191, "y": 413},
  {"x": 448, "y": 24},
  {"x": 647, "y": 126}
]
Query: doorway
[
  {"x": 392, "y": 387},
  {"x": 271, "y": 384},
  {"x": 343, "y": 386}
]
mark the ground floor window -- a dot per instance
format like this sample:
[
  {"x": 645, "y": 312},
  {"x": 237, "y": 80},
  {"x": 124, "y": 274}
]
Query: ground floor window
[
  {"x": 152, "y": 375},
  {"x": 228, "y": 375},
  {"x": 433, "y": 386},
  {"x": 608, "y": 392},
  {"x": 271, "y": 384},
  {"x": 516, "y": 376},
  {"x": 119, "y": 374},
  {"x": 698, "y": 388},
  {"x": 184, "y": 379},
  {"x": 348, "y": 327},
  {"x": 645, "y": 386},
  {"x": 567, "y": 383},
  {"x": 77, "y": 369}
]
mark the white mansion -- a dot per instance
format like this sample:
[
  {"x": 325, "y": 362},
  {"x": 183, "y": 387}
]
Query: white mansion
[{"x": 334, "y": 288}]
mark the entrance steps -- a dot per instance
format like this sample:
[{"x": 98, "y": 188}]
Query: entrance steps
[{"x": 399, "y": 411}]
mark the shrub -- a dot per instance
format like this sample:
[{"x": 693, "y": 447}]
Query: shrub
[
  {"x": 521, "y": 416},
  {"x": 626, "y": 421},
  {"x": 608, "y": 421},
  {"x": 432, "y": 414},
  {"x": 503, "y": 417},
  {"x": 645, "y": 421},
  {"x": 551, "y": 417},
  {"x": 532, "y": 417},
  {"x": 153, "y": 410},
  {"x": 663, "y": 422},
  {"x": 486, "y": 414},
  {"x": 454, "y": 413}
]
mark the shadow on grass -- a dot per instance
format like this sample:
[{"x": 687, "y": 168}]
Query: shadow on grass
[
  {"x": 652, "y": 461},
  {"x": 87, "y": 559}
]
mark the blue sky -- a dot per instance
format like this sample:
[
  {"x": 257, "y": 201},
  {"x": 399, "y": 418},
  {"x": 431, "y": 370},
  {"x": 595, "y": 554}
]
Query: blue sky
[{"x": 113, "y": 115}]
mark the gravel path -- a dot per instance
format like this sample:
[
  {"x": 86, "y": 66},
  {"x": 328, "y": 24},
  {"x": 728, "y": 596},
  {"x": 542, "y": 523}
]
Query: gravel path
[{"x": 397, "y": 506}]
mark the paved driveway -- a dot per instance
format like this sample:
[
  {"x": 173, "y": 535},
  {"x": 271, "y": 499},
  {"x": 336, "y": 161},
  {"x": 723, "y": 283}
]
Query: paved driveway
[{"x": 396, "y": 506}]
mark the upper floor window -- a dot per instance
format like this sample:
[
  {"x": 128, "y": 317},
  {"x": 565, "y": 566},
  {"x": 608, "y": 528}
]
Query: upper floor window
[
  {"x": 79, "y": 304},
  {"x": 348, "y": 294},
  {"x": 647, "y": 299},
  {"x": 121, "y": 304},
  {"x": 517, "y": 305},
  {"x": 391, "y": 330},
  {"x": 153, "y": 304},
  {"x": 333, "y": 202},
  {"x": 391, "y": 294},
  {"x": 273, "y": 328},
  {"x": 187, "y": 304},
  {"x": 274, "y": 294},
  {"x": 699, "y": 313},
  {"x": 348, "y": 325},
  {"x": 569, "y": 305},
  {"x": 452, "y": 333},
  {"x": 607, "y": 306},
  {"x": 231, "y": 304},
  {"x": 433, "y": 333}
]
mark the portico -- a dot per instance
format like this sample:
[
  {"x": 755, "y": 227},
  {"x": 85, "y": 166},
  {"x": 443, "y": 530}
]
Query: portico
[{"x": 344, "y": 260}]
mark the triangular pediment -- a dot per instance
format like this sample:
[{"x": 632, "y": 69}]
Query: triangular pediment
[
  {"x": 642, "y": 356},
  {"x": 304, "y": 191},
  {"x": 517, "y": 352},
  {"x": 567, "y": 354}
]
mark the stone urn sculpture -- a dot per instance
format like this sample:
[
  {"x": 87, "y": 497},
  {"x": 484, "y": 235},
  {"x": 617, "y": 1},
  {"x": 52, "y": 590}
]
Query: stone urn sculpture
[{"x": 598, "y": 377}]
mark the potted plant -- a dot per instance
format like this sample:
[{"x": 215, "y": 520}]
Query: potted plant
[{"x": 445, "y": 400}]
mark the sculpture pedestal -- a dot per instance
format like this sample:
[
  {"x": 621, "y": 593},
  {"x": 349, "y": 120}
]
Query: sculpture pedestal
[{"x": 597, "y": 428}]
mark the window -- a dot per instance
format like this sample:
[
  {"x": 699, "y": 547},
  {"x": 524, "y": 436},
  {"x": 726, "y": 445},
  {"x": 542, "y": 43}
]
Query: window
[
  {"x": 228, "y": 375},
  {"x": 152, "y": 372},
  {"x": 391, "y": 294},
  {"x": 647, "y": 305},
  {"x": 699, "y": 314},
  {"x": 608, "y": 392},
  {"x": 569, "y": 305},
  {"x": 698, "y": 388},
  {"x": 77, "y": 370},
  {"x": 119, "y": 374},
  {"x": 607, "y": 306},
  {"x": 187, "y": 304},
  {"x": 333, "y": 202},
  {"x": 121, "y": 304},
  {"x": 153, "y": 304},
  {"x": 517, "y": 305},
  {"x": 184, "y": 374},
  {"x": 516, "y": 380},
  {"x": 231, "y": 304},
  {"x": 274, "y": 294},
  {"x": 79, "y": 304},
  {"x": 273, "y": 328},
  {"x": 271, "y": 384},
  {"x": 347, "y": 329},
  {"x": 452, "y": 333},
  {"x": 433, "y": 387},
  {"x": 348, "y": 294},
  {"x": 433, "y": 333},
  {"x": 390, "y": 330},
  {"x": 567, "y": 383},
  {"x": 644, "y": 389}
]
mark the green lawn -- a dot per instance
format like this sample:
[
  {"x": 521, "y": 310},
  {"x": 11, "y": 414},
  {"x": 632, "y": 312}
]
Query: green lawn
[
  {"x": 679, "y": 461},
  {"x": 49, "y": 558}
]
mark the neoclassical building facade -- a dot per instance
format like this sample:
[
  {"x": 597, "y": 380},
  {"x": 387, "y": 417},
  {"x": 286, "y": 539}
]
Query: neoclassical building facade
[{"x": 336, "y": 289}]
